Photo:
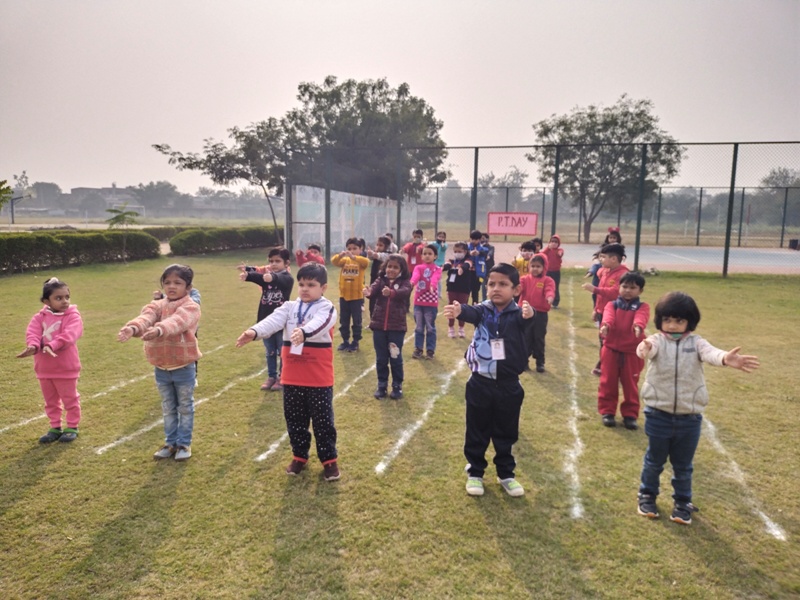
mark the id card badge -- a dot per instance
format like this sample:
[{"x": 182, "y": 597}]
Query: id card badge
[
  {"x": 453, "y": 276},
  {"x": 298, "y": 349},
  {"x": 413, "y": 260},
  {"x": 498, "y": 349}
]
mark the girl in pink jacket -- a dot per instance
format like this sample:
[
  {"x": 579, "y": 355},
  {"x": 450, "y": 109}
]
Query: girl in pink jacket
[{"x": 51, "y": 339}]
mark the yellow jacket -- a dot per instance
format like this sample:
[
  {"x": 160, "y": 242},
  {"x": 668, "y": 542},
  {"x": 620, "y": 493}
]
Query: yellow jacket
[
  {"x": 521, "y": 265},
  {"x": 351, "y": 277}
]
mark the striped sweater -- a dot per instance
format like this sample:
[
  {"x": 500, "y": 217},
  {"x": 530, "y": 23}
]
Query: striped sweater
[{"x": 177, "y": 320}]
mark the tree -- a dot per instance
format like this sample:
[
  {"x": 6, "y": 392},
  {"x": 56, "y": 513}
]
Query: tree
[
  {"x": 361, "y": 137},
  {"x": 781, "y": 178},
  {"x": 6, "y": 192},
  {"x": 155, "y": 195},
  {"x": 121, "y": 218},
  {"x": 601, "y": 155}
]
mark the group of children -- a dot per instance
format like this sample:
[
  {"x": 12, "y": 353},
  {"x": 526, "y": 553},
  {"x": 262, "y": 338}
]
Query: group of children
[{"x": 510, "y": 326}]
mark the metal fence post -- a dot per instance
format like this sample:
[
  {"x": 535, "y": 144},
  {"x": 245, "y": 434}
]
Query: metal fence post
[
  {"x": 699, "y": 217},
  {"x": 741, "y": 218},
  {"x": 398, "y": 234},
  {"x": 505, "y": 237},
  {"x": 785, "y": 206},
  {"x": 658, "y": 215},
  {"x": 555, "y": 192},
  {"x": 642, "y": 178},
  {"x": 730, "y": 212},
  {"x": 327, "y": 156},
  {"x": 473, "y": 203},
  {"x": 544, "y": 194},
  {"x": 287, "y": 234},
  {"x": 436, "y": 212}
]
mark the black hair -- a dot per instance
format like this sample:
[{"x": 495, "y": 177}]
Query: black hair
[
  {"x": 316, "y": 247},
  {"x": 282, "y": 252},
  {"x": 385, "y": 241},
  {"x": 313, "y": 271},
  {"x": 507, "y": 270},
  {"x": 610, "y": 233},
  {"x": 50, "y": 286},
  {"x": 536, "y": 258},
  {"x": 399, "y": 259},
  {"x": 617, "y": 249},
  {"x": 444, "y": 233},
  {"x": 352, "y": 240},
  {"x": 417, "y": 232},
  {"x": 474, "y": 234},
  {"x": 434, "y": 248},
  {"x": 389, "y": 234},
  {"x": 537, "y": 241},
  {"x": 362, "y": 242},
  {"x": 679, "y": 306},
  {"x": 633, "y": 277},
  {"x": 460, "y": 245},
  {"x": 527, "y": 245},
  {"x": 184, "y": 272}
]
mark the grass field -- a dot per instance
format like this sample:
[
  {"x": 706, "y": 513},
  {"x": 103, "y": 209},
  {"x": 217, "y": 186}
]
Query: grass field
[{"x": 98, "y": 518}]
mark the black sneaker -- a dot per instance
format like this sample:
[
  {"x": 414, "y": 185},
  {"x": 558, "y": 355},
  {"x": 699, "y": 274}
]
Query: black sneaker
[
  {"x": 295, "y": 467},
  {"x": 609, "y": 421},
  {"x": 70, "y": 435},
  {"x": 682, "y": 512},
  {"x": 397, "y": 393},
  {"x": 353, "y": 347},
  {"x": 630, "y": 423},
  {"x": 51, "y": 436},
  {"x": 343, "y": 347},
  {"x": 429, "y": 354},
  {"x": 540, "y": 368},
  {"x": 380, "y": 393},
  {"x": 417, "y": 353},
  {"x": 647, "y": 506},
  {"x": 331, "y": 471}
]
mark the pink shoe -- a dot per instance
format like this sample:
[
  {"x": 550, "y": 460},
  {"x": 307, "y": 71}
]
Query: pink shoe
[
  {"x": 461, "y": 333},
  {"x": 451, "y": 333},
  {"x": 267, "y": 385}
]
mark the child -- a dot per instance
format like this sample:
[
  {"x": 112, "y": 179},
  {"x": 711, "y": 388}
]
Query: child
[
  {"x": 392, "y": 247},
  {"x": 538, "y": 290},
  {"x": 496, "y": 356},
  {"x": 391, "y": 291},
  {"x": 276, "y": 288},
  {"x": 675, "y": 396},
  {"x": 593, "y": 273},
  {"x": 413, "y": 249},
  {"x": 613, "y": 237},
  {"x": 478, "y": 253},
  {"x": 351, "y": 300},
  {"x": 167, "y": 328},
  {"x": 441, "y": 248},
  {"x": 314, "y": 253},
  {"x": 426, "y": 302},
  {"x": 622, "y": 328},
  {"x": 537, "y": 245},
  {"x": 489, "y": 261},
  {"x": 520, "y": 262},
  {"x": 554, "y": 253},
  {"x": 51, "y": 338},
  {"x": 307, "y": 376},
  {"x": 611, "y": 257},
  {"x": 460, "y": 280},
  {"x": 378, "y": 256}
]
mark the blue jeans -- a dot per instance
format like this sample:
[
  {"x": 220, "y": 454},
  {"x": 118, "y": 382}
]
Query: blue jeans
[
  {"x": 425, "y": 318},
  {"x": 672, "y": 437},
  {"x": 273, "y": 344},
  {"x": 383, "y": 360},
  {"x": 177, "y": 403}
]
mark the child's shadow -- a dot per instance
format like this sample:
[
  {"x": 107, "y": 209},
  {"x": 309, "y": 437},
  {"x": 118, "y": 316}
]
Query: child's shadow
[{"x": 26, "y": 472}]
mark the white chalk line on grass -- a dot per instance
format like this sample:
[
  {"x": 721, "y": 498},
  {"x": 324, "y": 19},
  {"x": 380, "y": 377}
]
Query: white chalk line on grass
[
  {"x": 573, "y": 453},
  {"x": 110, "y": 390},
  {"x": 686, "y": 258},
  {"x": 737, "y": 475},
  {"x": 147, "y": 428},
  {"x": 409, "y": 432}
]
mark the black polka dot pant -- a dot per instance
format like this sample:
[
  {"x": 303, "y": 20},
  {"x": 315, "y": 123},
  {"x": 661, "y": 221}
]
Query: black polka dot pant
[{"x": 304, "y": 406}]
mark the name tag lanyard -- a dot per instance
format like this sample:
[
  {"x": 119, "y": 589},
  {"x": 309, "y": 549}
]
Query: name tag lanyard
[{"x": 301, "y": 314}]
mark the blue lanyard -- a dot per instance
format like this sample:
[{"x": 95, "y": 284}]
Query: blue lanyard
[
  {"x": 302, "y": 314},
  {"x": 493, "y": 321}
]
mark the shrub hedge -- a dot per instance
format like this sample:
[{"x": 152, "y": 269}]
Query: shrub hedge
[
  {"x": 200, "y": 241},
  {"x": 39, "y": 250},
  {"x": 165, "y": 233}
]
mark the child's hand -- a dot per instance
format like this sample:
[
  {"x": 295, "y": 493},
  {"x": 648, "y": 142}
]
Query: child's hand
[
  {"x": 386, "y": 291},
  {"x": 604, "y": 329},
  {"x": 157, "y": 295},
  {"x": 451, "y": 311},
  {"x": 648, "y": 345},
  {"x": 588, "y": 287},
  {"x": 125, "y": 334},
  {"x": 473, "y": 253},
  {"x": 743, "y": 362},
  {"x": 460, "y": 271},
  {"x": 242, "y": 276},
  {"x": 29, "y": 351},
  {"x": 268, "y": 277},
  {"x": 365, "y": 292},
  {"x": 247, "y": 336},
  {"x": 242, "y": 267},
  {"x": 49, "y": 350},
  {"x": 151, "y": 334},
  {"x": 527, "y": 310},
  {"x": 550, "y": 300},
  {"x": 297, "y": 337},
  {"x": 637, "y": 331}
]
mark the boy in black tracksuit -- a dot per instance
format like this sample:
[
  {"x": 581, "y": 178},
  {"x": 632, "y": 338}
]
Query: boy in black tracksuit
[{"x": 496, "y": 356}]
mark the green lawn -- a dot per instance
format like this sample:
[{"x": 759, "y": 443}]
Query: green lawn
[{"x": 78, "y": 524}]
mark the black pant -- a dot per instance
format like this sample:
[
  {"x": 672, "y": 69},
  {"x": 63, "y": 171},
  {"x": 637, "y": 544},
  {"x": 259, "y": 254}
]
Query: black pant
[
  {"x": 493, "y": 408},
  {"x": 535, "y": 332},
  {"x": 350, "y": 309},
  {"x": 556, "y": 277},
  {"x": 304, "y": 406}
]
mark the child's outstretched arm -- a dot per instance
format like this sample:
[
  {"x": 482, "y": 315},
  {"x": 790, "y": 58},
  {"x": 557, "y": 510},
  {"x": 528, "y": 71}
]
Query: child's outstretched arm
[
  {"x": 527, "y": 310},
  {"x": 29, "y": 351},
  {"x": 248, "y": 335},
  {"x": 743, "y": 362}
]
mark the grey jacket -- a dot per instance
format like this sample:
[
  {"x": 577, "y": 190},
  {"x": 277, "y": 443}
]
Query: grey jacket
[{"x": 674, "y": 381}]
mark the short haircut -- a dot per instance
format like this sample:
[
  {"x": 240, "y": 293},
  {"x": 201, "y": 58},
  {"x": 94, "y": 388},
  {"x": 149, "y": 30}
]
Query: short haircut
[
  {"x": 184, "y": 272},
  {"x": 507, "y": 270},
  {"x": 537, "y": 241},
  {"x": 385, "y": 241},
  {"x": 400, "y": 260},
  {"x": 50, "y": 286},
  {"x": 474, "y": 234},
  {"x": 390, "y": 235},
  {"x": 616, "y": 249},
  {"x": 352, "y": 241},
  {"x": 434, "y": 248},
  {"x": 633, "y": 277},
  {"x": 460, "y": 245},
  {"x": 316, "y": 247},
  {"x": 527, "y": 246},
  {"x": 441, "y": 233},
  {"x": 678, "y": 306},
  {"x": 282, "y": 252},
  {"x": 313, "y": 271},
  {"x": 417, "y": 232}
]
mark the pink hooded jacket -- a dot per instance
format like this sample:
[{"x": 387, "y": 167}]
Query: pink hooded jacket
[
  {"x": 536, "y": 290},
  {"x": 59, "y": 331},
  {"x": 553, "y": 256}
]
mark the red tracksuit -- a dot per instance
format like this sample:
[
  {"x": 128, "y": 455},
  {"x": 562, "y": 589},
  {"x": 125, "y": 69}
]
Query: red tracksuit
[{"x": 618, "y": 360}]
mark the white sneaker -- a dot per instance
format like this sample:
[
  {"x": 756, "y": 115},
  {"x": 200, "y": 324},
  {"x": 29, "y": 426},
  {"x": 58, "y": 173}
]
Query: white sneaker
[
  {"x": 164, "y": 452},
  {"x": 183, "y": 453},
  {"x": 461, "y": 333},
  {"x": 451, "y": 332},
  {"x": 512, "y": 486},
  {"x": 475, "y": 486}
]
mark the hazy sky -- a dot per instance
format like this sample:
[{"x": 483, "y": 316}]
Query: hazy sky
[{"x": 89, "y": 85}]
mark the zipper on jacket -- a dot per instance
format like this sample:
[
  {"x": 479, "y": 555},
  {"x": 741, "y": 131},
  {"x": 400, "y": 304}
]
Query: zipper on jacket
[
  {"x": 675, "y": 402},
  {"x": 386, "y": 318}
]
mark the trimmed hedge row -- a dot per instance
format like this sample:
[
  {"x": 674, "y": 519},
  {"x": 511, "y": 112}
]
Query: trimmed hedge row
[
  {"x": 167, "y": 232},
  {"x": 200, "y": 241},
  {"x": 24, "y": 251}
]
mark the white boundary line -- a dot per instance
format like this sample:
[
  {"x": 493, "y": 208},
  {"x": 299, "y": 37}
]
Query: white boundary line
[
  {"x": 409, "y": 432},
  {"x": 686, "y": 258},
  {"x": 147, "y": 428},
  {"x": 573, "y": 453},
  {"x": 113, "y": 388},
  {"x": 737, "y": 475}
]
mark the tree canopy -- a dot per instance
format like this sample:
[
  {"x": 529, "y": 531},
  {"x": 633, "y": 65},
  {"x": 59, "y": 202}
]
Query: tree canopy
[{"x": 600, "y": 155}]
